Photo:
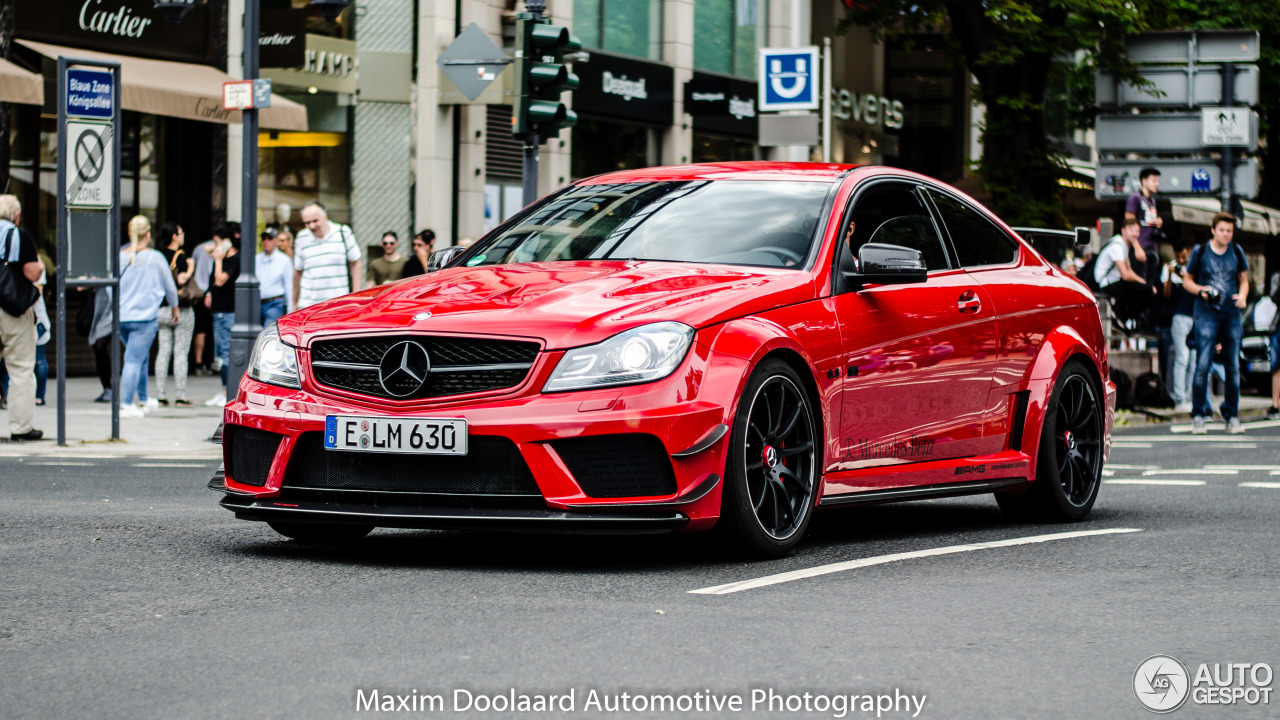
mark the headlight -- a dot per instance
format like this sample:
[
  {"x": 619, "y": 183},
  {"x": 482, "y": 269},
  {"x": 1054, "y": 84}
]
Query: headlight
[
  {"x": 639, "y": 355},
  {"x": 273, "y": 361}
]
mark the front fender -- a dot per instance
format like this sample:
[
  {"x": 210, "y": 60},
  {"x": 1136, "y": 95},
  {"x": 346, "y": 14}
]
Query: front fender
[{"x": 1059, "y": 346}]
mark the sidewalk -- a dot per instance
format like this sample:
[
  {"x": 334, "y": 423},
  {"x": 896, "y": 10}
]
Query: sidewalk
[
  {"x": 166, "y": 431},
  {"x": 1252, "y": 408}
]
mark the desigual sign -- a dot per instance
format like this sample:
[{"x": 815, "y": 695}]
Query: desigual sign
[
  {"x": 623, "y": 87},
  {"x": 126, "y": 27},
  {"x": 868, "y": 108}
]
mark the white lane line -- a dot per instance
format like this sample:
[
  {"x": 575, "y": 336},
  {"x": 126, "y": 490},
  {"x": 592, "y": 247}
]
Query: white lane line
[
  {"x": 1216, "y": 471},
  {"x": 64, "y": 462},
  {"x": 882, "y": 559},
  {"x": 173, "y": 465},
  {"x": 1267, "y": 485},
  {"x": 1275, "y": 468},
  {"x": 1215, "y": 435},
  {"x": 1108, "y": 473},
  {"x": 1130, "y": 445},
  {"x": 1122, "y": 466},
  {"x": 1236, "y": 446},
  {"x": 1153, "y": 481}
]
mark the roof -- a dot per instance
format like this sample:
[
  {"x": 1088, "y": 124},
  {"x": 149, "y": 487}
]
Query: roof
[{"x": 801, "y": 172}]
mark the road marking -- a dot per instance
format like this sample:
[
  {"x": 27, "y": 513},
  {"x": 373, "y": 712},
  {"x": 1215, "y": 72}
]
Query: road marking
[
  {"x": 882, "y": 559},
  {"x": 1236, "y": 446},
  {"x": 1122, "y": 466},
  {"x": 1130, "y": 445},
  {"x": 173, "y": 465},
  {"x": 1267, "y": 485},
  {"x": 63, "y": 462},
  {"x": 1206, "y": 471},
  {"x": 1153, "y": 481},
  {"x": 1274, "y": 468},
  {"x": 1215, "y": 436}
]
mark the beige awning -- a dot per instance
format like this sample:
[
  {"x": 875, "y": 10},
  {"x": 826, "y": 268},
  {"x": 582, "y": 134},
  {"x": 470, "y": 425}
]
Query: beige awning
[
  {"x": 181, "y": 90},
  {"x": 19, "y": 86}
]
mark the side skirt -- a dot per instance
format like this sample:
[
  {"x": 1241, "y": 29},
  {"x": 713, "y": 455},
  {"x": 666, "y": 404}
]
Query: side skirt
[{"x": 920, "y": 492}]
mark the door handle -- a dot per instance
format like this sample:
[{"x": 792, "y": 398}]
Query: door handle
[{"x": 969, "y": 302}]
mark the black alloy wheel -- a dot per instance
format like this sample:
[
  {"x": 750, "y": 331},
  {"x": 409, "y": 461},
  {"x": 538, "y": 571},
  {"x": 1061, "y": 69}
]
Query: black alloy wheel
[
  {"x": 1069, "y": 466},
  {"x": 772, "y": 468}
]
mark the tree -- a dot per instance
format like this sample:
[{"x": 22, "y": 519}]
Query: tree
[{"x": 1010, "y": 47}]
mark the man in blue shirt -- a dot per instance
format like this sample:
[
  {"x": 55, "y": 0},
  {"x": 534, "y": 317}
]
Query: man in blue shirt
[
  {"x": 1218, "y": 275},
  {"x": 275, "y": 277}
]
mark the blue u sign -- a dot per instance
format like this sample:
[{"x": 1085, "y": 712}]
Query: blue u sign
[{"x": 789, "y": 79}]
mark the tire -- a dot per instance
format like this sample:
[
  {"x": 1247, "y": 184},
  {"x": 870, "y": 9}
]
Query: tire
[
  {"x": 1069, "y": 461},
  {"x": 321, "y": 533},
  {"x": 772, "y": 470}
]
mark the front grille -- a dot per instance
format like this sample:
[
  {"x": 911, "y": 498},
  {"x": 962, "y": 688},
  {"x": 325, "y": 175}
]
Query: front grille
[
  {"x": 492, "y": 466},
  {"x": 614, "y": 466},
  {"x": 458, "y": 365},
  {"x": 252, "y": 452}
]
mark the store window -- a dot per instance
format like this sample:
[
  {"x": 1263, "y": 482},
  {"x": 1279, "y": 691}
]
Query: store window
[
  {"x": 719, "y": 148},
  {"x": 295, "y": 168},
  {"x": 626, "y": 27},
  {"x": 726, "y": 34}
]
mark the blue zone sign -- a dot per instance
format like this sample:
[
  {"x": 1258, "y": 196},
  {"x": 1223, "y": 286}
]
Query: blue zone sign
[
  {"x": 789, "y": 79},
  {"x": 90, "y": 93}
]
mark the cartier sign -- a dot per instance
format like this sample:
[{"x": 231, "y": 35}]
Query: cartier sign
[{"x": 126, "y": 27}]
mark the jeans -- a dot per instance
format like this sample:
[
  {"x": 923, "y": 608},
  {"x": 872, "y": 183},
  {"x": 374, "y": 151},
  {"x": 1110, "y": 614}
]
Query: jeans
[
  {"x": 1213, "y": 327},
  {"x": 137, "y": 337},
  {"x": 272, "y": 310},
  {"x": 222, "y": 323},
  {"x": 42, "y": 373},
  {"x": 1180, "y": 369}
]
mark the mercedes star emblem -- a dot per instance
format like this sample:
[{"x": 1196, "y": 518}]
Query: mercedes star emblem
[{"x": 404, "y": 368}]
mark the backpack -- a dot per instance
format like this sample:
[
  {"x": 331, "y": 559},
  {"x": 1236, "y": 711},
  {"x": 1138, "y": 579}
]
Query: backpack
[
  {"x": 1149, "y": 391},
  {"x": 1124, "y": 389}
]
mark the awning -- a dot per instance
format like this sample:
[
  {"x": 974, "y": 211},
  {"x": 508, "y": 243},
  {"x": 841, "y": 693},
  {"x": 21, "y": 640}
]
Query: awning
[
  {"x": 181, "y": 90},
  {"x": 1200, "y": 211},
  {"x": 19, "y": 86}
]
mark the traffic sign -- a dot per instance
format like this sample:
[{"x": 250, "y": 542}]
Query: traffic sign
[
  {"x": 788, "y": 79},
  {"x": 90, "y": 93},
  {"x": 1228, "y": 126},
  {"x": 1118, "y": 179},
  {"x": 90, "y": 180},
  {"x": 1201, "y": 46},
  {"x": 1169, "y": 87},
  {"x": 473, "y": 61},
  {"x": 1169, "y": 133}
]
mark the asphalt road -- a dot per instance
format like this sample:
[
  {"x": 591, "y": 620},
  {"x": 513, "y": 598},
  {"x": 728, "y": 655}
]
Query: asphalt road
[{"x": 128, "y": 593}]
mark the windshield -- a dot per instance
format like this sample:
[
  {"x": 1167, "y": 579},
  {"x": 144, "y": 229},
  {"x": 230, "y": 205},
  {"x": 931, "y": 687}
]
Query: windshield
[{"x": 735, "y": 222}]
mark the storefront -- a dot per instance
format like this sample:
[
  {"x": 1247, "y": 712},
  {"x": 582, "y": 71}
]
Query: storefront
[
  {"x": 725, "y": 126},
  {"x": 623, "y": 105},
  {"x": 173, "y": 143}
]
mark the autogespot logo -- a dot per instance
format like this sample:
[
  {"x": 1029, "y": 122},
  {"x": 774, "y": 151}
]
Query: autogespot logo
[{"x": 1161, "y": 683}]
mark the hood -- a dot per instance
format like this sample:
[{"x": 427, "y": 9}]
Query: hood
[{"x": 564, "y": 304}]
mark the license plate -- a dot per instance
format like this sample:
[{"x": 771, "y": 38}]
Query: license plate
[
  {"x": 1260, "y": 366},
  {"x": 426, "y": 436}
]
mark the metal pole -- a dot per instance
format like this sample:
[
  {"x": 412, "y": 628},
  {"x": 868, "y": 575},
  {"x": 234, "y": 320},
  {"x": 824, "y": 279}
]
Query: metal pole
[
  {"x": 113, "y": 260},
  {"x": 248, "y": 303},
  {"x": 1228, "y": 153},
  {"x": 826, "y": 99},
  {"x": 60, "y": 322},
  {"x": 529, "y": 171}
]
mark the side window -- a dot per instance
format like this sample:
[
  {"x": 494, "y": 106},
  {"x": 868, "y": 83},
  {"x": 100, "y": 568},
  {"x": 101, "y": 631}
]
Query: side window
[
  {"x": 975, "y": 239},
  {"x": 893, "y": 213}
]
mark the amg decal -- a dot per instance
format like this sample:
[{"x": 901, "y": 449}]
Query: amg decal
[
  {"x": 971, "y": 470},
  {"x": 868, "y": 449}
]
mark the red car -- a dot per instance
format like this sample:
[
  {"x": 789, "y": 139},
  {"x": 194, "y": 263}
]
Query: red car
[{"x": 677, "y": 348}]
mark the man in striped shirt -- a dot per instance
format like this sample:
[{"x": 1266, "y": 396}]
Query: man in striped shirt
[{"x": 326, "y": 259}]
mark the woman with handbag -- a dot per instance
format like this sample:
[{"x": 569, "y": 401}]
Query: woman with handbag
[
  {"x": 146, "y": 283},
  {"x": 175, "y": 337}
]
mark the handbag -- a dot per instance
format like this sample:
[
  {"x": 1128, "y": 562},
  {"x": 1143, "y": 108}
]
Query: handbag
[
  {"x": 190, "y": 293},
  {"x": 17, "y": 294}
]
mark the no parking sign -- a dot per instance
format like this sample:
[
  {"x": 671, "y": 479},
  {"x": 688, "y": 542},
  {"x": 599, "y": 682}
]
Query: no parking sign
[{"x": 89, "y": 150}]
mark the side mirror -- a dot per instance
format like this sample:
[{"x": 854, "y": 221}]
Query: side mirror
[
  {"x": 888, "y": 265},
  {"x": 1084, "y": 237},
  {"x": 442, "y": 258}
]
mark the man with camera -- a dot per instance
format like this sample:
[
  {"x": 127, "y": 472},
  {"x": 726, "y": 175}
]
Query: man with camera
[
  {"x": 1218, "y": 275},
  {"x": 1181, "y": 305}
]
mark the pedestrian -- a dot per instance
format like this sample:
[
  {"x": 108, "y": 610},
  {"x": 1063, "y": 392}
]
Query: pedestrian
[
  {"x": 175, "y": 337},
  {"x": 1218, "y": 275},
  {"x": 19, "y": 260},
  {"x": 1141, "y": 206},
  {"x": 1116, "y": 278},
  {"x": 100, "y": 340},
  {"x": 275, "y": 277},
  {"x": 422, "y": 246},
  {"x": 1273, "y": 413},
  {"x": 204, "y": 320},
  {"x": 221, "y": 302},
  {"x": 286, "y": 241},
  {"x": 326, "y": 261},
  {"x": 146, "y": 282},
  {"x": 390, "y": 266},
  {"x": 1182, "y": 303}
]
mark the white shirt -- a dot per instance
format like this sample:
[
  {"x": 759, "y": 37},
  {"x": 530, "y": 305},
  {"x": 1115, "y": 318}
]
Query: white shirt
[
  {"x": 1105, "y": 271},
  {"x": 275, "y": 275},
  {"x": 323, "y": 262}
]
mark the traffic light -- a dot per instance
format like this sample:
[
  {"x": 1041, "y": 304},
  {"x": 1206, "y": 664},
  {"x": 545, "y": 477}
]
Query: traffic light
[{"x": 541, "y": 76}]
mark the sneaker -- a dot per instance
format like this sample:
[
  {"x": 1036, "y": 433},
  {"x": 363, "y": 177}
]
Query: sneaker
[
  {"x": 132, "y": 411},
  {"x": 1273, "y": 413},
  {"x": 164, "y": 403},
  {"x": 151, "y": 404},
  {"x": 216, "y": 401},
  {"x": 182, "y": 402},
  {"x": 215, "y": 366},
  {"x": 1197, "y": 426},
  {"x": 105, "y": 397},
  {"x": 1185, "y": 407},
  {"x": 31, "y": 434},
  {"x": 1234, "y": 427}
]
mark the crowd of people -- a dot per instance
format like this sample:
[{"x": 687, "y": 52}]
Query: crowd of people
[{"x": 178, "y": 302}]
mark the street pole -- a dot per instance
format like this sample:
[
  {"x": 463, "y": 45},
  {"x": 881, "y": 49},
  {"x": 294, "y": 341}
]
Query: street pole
[
  {"x": 529, "y": 166},
  {"x": 1229, "y": 153},
  {"x": 248, "y": 303}
]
